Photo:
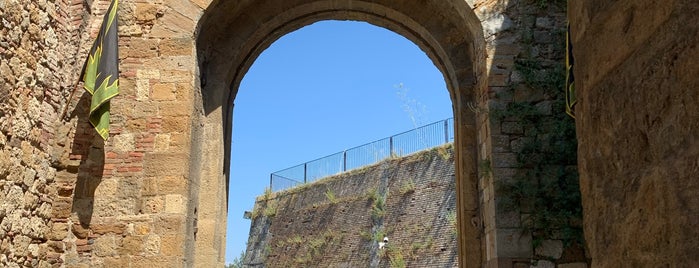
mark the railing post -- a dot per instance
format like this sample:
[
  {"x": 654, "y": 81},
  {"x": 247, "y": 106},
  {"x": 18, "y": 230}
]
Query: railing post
[
  {"x": 390, "y": 146},
  {"x": 305, "y": 168},
  {"x": 446, "y": 131},
  {"x": 344, "y": 161}
]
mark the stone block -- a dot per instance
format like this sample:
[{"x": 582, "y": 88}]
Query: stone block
[
  {"x": 504, "y": 160},
  {"x": 153, "y": 262},
  {"x": 544, "y": 23},
  {"x": 165, "y": 164},
  {"x": 550, "y": 248},
  {"x": 523, "y": 93},
  {"x": 104, "y": 246},
  {"x": 142, "y": 48},
  {"x": 152, "y": 245},
  {"x": 135, "y": 125},
  {"x": 169, "y": 224},
  {"x": 544, "y": 107},
  {"x": 149, "y": 187},
  {"x": 573, "y": 265},
  {"x": 146, "y": 12},
  {"x": 518, "y": 144},
  {"x": 163, "y": 91},
  {"x": 153, "y": 204},
  {"x": 162, "y": 142},
  {"x": 175, "y": 203},
  {"x": 172, "y": 185},
  {"x": 129, "y": 188},
  {"x": 543, "y": 264},
  {"x": 496, "y": 23},
  {"x": 173, "y": 109},
  {"x": 131, "y": 245},
  {"x": 171, "y": 245},
  {"x": 501, "y": 94},
  {"x": 143, "y": 228},
  {"x": 543, "y": 37},
  {"x": 175, "y": 76},
  {"x": 176, "y": 46},
  {"x": 106, "y": 228},
  {"x": 498, "y": 79},
  {"x": 107, "y": 187},
  {"x": 148, "y": 73},
  {"x": 142, "y": 89},
  {"x": 176, "y": 124},
  {"x": 505, "y": 218},
  {"x": 513, "y": 243},
  {"x": 58, "y": 231},
  {"x": 500, "y": 143},
  {"x": 116, "y": 261},
  {"x": 509, "y": 127}
]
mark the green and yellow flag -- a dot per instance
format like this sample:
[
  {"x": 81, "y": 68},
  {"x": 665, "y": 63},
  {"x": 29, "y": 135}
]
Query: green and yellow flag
[
  {"x": 101, "y": 71},
  {"x": 570, "y": 80}
]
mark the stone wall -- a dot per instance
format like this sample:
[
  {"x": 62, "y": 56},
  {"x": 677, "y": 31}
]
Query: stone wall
[
  {"x": 637, "y": 79},
  {"x": 519, "y": 116},
  {"x": 69, "y": 198},
  {"x": 338, "y": 221}
]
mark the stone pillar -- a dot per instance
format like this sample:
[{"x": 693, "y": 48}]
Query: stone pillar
[{"x": 637, "y": 81}]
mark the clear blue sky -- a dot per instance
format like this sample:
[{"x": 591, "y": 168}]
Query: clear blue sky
[{"x": 319, "y": 90}]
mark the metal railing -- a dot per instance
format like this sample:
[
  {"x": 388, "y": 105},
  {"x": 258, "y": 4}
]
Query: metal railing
[{"x": 398, "y": 145}]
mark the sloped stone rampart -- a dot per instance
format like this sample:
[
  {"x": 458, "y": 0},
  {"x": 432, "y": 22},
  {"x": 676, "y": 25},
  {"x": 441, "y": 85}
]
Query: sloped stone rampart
[{"x": 338, "y": 221}]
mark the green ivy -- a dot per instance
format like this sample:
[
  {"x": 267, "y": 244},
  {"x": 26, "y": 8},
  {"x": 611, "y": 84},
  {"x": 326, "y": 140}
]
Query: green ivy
[{"x": 546, "y": 189}]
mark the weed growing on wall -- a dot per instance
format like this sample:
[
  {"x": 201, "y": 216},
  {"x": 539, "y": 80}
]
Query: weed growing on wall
[
  {"x": 418, "y": 246},
  {"x": 331, "y": 196},
  {"x": 408, "y": 187},
  {"x": 267, "y": 205},
  {"x": 378, "y": 208},
  {"x": 453, "y": 225},
  {"x": 270, "y": 208},
  {"x": 395, "y": 257},
  {"x": 316, "y": 246}
]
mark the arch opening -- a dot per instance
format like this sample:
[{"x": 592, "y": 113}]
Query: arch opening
[
  {"x": 231, "y": 35},
  {"x": 326, "y": 88}
]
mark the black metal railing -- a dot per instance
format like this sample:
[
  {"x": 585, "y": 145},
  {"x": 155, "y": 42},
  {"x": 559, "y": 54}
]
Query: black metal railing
[{"x": 401, "y": 144}]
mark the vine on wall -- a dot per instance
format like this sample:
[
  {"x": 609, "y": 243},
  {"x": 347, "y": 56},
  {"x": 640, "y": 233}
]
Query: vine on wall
[{"x": 546, "y": 189}]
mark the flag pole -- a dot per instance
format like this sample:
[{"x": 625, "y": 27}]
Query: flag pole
[{"x": 70, "y": 99}]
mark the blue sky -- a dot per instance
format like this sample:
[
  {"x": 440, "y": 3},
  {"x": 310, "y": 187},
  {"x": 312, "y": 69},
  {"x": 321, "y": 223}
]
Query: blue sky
[{"x": 319, "y": 90}]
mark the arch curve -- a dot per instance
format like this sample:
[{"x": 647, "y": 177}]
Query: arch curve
[{"x": 232, "y": 34}]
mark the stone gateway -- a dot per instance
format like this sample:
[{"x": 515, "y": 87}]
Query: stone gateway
[{"x": 155, "y": 193}]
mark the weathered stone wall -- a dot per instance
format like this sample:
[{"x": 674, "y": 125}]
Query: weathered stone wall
[
  {"x": 37, "y": 42},
  {"x": 637, "y": 80},
  {"x": 338, "y": 221},
  {"x": 525, "y": 56},
  {"x": 68, "y": 198}
]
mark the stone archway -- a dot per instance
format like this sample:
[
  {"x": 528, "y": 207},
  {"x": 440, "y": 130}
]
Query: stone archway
[{"x": 230, "y": 36}]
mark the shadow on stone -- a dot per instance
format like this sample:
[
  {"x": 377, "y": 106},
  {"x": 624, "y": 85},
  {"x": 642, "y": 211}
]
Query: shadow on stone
[{"x": 90, "y": 147}]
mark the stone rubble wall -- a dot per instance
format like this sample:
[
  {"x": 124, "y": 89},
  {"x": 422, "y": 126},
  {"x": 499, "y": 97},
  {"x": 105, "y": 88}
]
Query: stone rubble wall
[
  {"x": 67, "y": 198},
  {"x": 37, "y": 42}
]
